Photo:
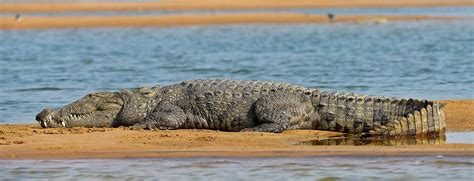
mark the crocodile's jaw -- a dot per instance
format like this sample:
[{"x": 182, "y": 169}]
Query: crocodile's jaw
[{"x": 94, "y": 110}]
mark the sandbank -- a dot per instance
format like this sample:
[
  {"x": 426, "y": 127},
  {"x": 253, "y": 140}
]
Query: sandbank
[
  {"x": 32, "y": 142},
  {"x": 223, "y": 5},
  {"x": 43, "y": 22}
]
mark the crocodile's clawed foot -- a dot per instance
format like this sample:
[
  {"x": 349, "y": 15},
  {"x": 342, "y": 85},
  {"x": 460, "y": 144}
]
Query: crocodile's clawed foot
[
  {"x": 266, "y": 127},
  {"x": 144, "y": 126},
  {"x": 138, "y": 127}
]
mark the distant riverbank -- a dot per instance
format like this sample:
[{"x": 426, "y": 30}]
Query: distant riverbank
[
  {"x": 42, "y": 22},
  {"x": 222, "y": 5}
]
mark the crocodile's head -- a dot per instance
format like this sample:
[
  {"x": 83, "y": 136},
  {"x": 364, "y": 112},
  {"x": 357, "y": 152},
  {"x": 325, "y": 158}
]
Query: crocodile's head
[{"x": 93, "y": 110}]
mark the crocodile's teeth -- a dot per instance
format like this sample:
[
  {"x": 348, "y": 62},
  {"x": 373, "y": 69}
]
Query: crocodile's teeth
[
  {"x": 63, "y": 123},
  {"x": 44, "y": 124},
  {"x": 49, "y": 117}
]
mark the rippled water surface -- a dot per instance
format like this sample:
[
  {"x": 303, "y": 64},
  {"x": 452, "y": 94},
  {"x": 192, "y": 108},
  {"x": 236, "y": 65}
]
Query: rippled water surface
[
  {"x": 49, "y": 68},
  {"x": 311, "y": 168}
]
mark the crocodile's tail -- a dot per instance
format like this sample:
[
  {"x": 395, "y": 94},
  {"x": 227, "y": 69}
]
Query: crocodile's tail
[
  {"x": 421, "y": 118},
  {"x": 378, "y": 116}
]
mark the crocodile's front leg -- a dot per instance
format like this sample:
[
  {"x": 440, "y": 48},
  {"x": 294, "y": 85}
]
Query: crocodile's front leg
[{"x": 165, "y": 116}]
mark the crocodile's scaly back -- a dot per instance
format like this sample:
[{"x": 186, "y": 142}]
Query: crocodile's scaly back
[
  {"x": 227, "y": 104},
  {"x": 240, "y": 105}
]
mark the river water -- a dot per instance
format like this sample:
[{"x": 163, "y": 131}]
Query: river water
[
  {"x": 426, "y": 59},
  {"x": 49, "y": 68},
  {"x": 310, "y": 168}
]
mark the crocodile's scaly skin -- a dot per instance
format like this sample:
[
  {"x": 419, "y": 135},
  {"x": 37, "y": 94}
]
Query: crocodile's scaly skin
[{"x": 236, "y": 105}]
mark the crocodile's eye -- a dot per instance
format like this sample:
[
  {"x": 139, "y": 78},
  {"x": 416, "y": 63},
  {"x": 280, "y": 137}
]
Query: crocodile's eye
[{"x": 148, "y": 93}]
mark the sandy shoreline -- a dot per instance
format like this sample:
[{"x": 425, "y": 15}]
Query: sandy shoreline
[
  {"x": 223, "y": 5},
  {"x": 43, "y": 22},
  {"x": 32, "y": 142}
]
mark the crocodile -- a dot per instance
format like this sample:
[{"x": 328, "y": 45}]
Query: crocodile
[{"x": 246, "y": 105}]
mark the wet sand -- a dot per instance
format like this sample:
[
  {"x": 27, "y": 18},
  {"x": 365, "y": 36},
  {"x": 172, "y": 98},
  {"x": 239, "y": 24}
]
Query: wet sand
[
  {"x": 31, "y": 141},
  {"x": 459, "y": 115},
  {"x": 43, "y": 22},
  {"x": 223, "y": 5}
]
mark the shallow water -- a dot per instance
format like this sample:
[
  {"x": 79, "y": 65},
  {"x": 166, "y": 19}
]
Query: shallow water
[
  {"x": 310, "y": 168},
  {"x": 49, "y": 68},
  {"x": 460, "y": 137},
  {"x": 449, "y": 138},
  {"x": 376, "y": 142}
]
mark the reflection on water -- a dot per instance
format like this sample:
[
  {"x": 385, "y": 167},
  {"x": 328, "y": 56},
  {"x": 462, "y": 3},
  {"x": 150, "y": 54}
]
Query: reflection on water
[
  {"x": 309, "y": 168},
  {"x": 378, "y": 142},
  {"x": 453, "y": 137}
]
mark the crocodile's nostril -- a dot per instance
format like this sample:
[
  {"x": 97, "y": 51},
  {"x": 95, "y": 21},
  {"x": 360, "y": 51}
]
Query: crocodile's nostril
[{"x": 43, "y": 115}]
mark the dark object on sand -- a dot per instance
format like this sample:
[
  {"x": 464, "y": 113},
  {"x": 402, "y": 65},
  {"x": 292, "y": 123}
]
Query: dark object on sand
[
  {"x": 17, "y": 17},
  {"x": 331, "y": 17}
]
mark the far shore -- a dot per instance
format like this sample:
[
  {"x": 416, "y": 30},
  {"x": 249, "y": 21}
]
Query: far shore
[
  {"x": 222, "y": 5},
  {"x": 44, "y": 22},
  {"x": 32, "y": 142}
]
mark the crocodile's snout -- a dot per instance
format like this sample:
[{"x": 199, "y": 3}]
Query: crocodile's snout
[{"x": 44, "y": 117}]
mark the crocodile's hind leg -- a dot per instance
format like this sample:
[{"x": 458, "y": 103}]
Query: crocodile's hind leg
[
  {"x": 278, "y": 112},
  {"x": 165, "y": 116}
]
